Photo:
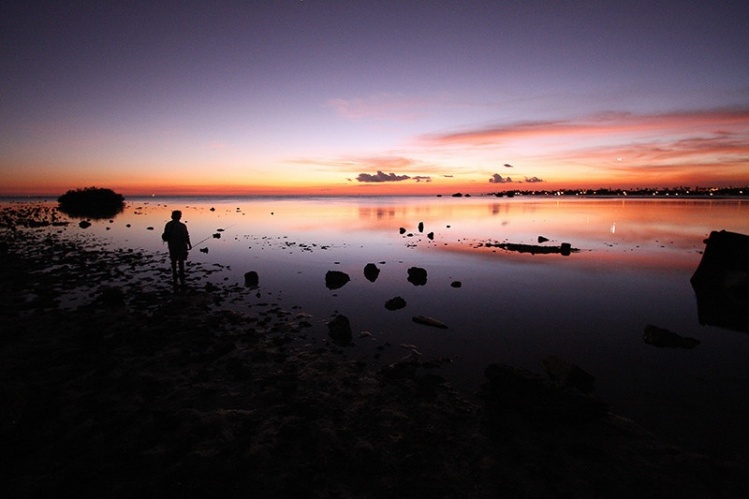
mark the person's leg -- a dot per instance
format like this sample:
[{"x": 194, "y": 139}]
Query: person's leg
[
  {"x": 182, "y": 272},
  {"x": 174, "y": 270}
]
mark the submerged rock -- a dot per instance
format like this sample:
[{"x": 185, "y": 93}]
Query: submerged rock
[
  {"x": 660, "y": 337},
  {"x": 429, "y": 321}
]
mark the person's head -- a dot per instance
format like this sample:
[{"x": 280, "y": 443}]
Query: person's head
[{"x": 176, "y": 215}]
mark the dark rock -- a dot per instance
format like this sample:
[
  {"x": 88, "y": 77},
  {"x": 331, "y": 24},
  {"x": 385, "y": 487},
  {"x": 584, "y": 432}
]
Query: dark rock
[
  {"x": 661, "y": 338},
  {"x": 217, "y": 236},
  {"x": 417, "y": 276},
  {"x": 430, "y": 236},
  {"x": 335, "y": 279},
  {"x": 568, "y": 375},
  {"x": 203, "y": 250},
  {"x": 84, "y": 224},
  {"x": 421, "y": 226},
  {"x": 251, "y": 279},
  {"x": 542, "y": 239},
  {"x": 518, "y": 397},
  {"x": 402, "y": 230},
  {"x": 428, "y": 321},
  {"x": 565, "y": 249},
  {"x": 371, "y": 272},
  {"x": 396, "y": 303},
  {"x": 339, "y": 330},
  {"x": 456, "y": 284}
]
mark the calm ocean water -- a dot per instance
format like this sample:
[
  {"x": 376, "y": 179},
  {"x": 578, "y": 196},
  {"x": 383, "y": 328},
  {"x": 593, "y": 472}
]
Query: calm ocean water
[{"x": 633, "y": 267}]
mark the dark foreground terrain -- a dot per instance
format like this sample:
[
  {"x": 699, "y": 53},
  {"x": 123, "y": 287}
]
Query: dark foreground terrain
[{"x": 141, "y": 391}]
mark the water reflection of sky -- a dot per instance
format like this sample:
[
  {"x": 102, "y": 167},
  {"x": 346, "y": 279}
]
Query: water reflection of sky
[{"x": 634, "y": 267}]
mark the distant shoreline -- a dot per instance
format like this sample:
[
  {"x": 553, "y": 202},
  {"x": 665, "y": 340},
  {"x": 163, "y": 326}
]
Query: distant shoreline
[{"x": 642, "y": 193}]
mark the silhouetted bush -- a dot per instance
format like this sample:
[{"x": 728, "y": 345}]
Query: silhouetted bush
[{"x": 91, "y": 202}]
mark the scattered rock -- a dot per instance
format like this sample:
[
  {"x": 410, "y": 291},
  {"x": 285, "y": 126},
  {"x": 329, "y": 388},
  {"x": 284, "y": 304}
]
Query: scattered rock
[
  {"x": 456, "y": 284},
  {"x": 417, "y": 276},
  {"x": 371, "y": 272},
  {"x": 429, "y": 321},
  {"x": 203, "y": 250},
  {"x": 421, "y": 226},
  {"x": 661, "y": 338},
  {"x": 396, "y": 303},
  {"x": 335, "y": 279},
  {"x": 217, "y": 236},
  {"x": 84, "y": 224},
  {"x": 339, "y": 330},
  {"x": 430, "y": 236},
  {"x": 542, "y": 239},
  {"x": 402, "y": 230}
]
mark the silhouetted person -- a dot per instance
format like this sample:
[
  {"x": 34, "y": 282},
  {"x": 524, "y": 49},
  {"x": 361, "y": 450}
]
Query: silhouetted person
[{"x": 178, "y": 240}]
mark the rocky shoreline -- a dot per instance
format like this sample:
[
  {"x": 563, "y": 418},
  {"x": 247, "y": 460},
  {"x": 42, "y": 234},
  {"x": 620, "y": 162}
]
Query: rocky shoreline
[{"x": 141, "y": 390}]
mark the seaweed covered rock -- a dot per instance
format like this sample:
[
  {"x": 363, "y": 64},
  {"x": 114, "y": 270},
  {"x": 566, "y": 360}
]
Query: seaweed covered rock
[{"x": 91, "y": 202}]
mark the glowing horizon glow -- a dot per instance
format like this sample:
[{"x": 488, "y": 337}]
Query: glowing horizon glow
[{"x": 372, "y": 99}]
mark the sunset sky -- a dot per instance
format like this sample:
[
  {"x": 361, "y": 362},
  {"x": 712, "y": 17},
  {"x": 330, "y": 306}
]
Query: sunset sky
[{"x": 365, "y": 97}]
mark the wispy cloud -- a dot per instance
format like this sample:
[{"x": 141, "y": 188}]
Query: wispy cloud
[
  {"x": 383, "y": 107},
  {"x": 604, "y": 124}
]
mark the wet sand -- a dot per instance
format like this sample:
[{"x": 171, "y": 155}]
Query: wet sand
[{"x": 141, "y": 389}]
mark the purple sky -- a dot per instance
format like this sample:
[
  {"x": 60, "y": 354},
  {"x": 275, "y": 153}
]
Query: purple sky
[{"x": 312, "y": 94}]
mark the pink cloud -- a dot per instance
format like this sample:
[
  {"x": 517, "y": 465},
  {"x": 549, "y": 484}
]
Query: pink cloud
[
  {"x": 381, "y": 107},
  {"x": 605, "y": 124}
]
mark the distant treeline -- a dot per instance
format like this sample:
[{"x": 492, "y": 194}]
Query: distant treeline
[{"x": 639, "y": 192}]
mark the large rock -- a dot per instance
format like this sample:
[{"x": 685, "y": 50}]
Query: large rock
[{"x": 725, "y": 262}]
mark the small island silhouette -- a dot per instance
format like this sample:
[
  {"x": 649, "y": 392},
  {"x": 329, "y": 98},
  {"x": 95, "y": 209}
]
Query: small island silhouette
[{"x": 91, "y": 202}]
